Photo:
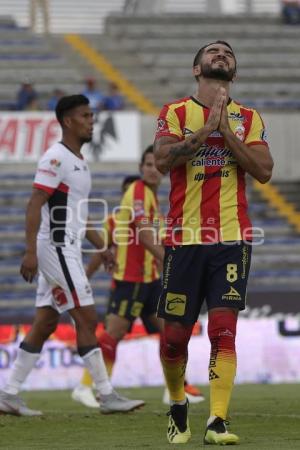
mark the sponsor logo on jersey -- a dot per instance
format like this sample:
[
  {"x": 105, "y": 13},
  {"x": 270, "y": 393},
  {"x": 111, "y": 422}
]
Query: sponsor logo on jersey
[
  {"x": 200, "y": 176},
  {"x": 55, "y": 163},
  {"x": 76, "y": 168},
  {"x": 47, "y": 172},
  {"x": 138, "y": 206},
  {"x": 263, "y": 135},
  {"x": 215, "y": 133},
  {"x": 161, "y": 125},
  {"x": 187, "y": 132},
  {"x": 236, "y": 116},
  {"x": 240, "y": 132},
  {"x": 232, "y": 295},
  {"x": 212, "y": 151},
  {"x": 175, "y": 304}
]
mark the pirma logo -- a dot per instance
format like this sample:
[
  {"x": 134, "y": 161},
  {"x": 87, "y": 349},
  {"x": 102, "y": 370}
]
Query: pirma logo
[
  {"x": 231, "y": 295},
  {"x": 175, "y": 304}
]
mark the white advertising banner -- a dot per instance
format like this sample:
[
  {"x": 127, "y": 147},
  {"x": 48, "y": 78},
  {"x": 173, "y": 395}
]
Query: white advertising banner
[
  {"x": 25, "y": 136},
  {"x": 264, "y": 356}
]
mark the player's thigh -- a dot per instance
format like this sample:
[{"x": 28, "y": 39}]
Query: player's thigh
[
  {"x": 152, "y": 323},
  {"x": 183, "y": 287},
  {"x": 227, "y": 276}
]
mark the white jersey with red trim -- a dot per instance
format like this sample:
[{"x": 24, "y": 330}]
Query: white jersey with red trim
[{"x": 66, "y": 177}]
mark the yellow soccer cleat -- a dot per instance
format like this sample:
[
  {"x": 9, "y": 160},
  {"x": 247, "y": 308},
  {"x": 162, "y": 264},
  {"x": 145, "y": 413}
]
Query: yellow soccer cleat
[
  {"x": 217, "y": 434},
  {"x": 178, "y": 427}
]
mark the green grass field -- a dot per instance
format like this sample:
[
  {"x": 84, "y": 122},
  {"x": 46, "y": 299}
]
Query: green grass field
[{"x": 265, "y": 417}]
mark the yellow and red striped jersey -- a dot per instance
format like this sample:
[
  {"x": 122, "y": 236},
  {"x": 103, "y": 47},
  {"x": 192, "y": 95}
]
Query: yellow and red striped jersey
[
  {"x": 134, "y": 263},
  {"x": 208, "y": 200}
]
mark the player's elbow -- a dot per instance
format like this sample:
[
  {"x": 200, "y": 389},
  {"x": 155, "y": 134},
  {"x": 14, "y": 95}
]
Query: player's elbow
[
  {"x": 161, "y": 166},
  {"x": 265, "y": 175}
]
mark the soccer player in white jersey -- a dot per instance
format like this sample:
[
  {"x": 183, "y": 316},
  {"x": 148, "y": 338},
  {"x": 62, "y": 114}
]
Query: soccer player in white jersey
[{"x": 56, "y": 223}]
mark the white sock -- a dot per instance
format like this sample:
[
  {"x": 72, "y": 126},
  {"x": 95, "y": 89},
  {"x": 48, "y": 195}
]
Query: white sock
[
  {"x": 23, "y": 365},
  {"x": 210, "y": 420},
  {"x": 94, "y": 363},
  {"x": 175, "y": 402}
]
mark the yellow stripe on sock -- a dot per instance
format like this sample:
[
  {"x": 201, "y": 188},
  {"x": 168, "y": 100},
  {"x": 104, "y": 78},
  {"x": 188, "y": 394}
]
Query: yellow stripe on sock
[
  {"x": 221, "y": 384},
  {"x": 86, "y": 379},
  {"x": 174, "y": 375},
  {"x": 280, "y": 203},
  {"x": 100, "y": 62}
]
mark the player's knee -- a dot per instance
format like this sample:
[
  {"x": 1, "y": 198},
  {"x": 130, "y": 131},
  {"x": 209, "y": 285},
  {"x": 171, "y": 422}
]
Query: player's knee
[
  {"x": 45, "y": 327},
  {"x": 222, "y": 329},
  {"x": 174, "y": 341}
]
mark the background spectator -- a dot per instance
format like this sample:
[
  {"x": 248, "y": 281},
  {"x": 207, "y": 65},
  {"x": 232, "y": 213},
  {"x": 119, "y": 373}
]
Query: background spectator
[
  {"x": 93, "y": 94},
  {"x": 52, "y": 102},
  {"x": 43, "y": 7},
  {"x": 26, "y": 97},
  {"x": 291, "y": 11},
  {"x": 114, "y": 101}
]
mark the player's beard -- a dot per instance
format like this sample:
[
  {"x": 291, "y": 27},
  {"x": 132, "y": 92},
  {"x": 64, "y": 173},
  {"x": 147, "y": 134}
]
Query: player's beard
[
  {"x": 217, "y": 74},
  {"x": 86, "y": 139}
]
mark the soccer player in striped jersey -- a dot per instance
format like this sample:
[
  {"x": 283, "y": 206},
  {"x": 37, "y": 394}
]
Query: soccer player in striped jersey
[
  {"x": 83, "y": 392},
  {"x": 207, "y": 142},
  {"x": 56, "y": 222}
]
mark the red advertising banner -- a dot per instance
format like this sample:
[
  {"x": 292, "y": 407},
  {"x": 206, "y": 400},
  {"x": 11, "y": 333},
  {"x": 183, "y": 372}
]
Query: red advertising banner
[{"x": 25, "y": 136}]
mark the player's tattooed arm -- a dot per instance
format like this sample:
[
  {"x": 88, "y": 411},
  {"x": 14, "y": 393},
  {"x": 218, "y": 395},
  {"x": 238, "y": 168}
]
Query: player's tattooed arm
[{"x": 170, "y": 153}]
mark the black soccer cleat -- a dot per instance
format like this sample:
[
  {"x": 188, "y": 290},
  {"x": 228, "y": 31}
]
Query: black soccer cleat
[
  {"x": 178, "y": 427},
  {"x": 216, "y": 433}
]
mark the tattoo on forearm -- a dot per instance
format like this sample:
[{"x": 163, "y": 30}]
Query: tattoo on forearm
[{"x": 182, "y": 150}]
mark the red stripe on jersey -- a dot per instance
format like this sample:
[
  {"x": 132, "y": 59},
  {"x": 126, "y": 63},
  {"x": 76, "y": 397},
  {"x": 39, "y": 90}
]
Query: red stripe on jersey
[
  {"x": 111, "y": 224},
  {"x": 162, "y": 126},
  {"x": 257, "y": 143},
  {"x": 247, "y": 123},
  {"x": 210, "y": 200},
  {"x": 63, "y": 188},
  {"x": 153, "y": 264},
  {"x": 41, "y": 187},
  {"x": 135, "y": 253},
  {"x": 177, "y": 197},
  {"x": 242, "y": 206}
]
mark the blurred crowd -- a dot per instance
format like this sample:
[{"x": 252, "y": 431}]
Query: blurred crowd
[
  {"x": 290, "y": 10},
  {"x": 28, "y": 98}
]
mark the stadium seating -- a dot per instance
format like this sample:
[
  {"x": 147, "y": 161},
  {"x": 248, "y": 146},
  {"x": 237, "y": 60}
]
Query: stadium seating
[
  {"x": 275, "y": 264},
  {"x": 24, "y": 56},
  {"x": 157, "y": 54}
]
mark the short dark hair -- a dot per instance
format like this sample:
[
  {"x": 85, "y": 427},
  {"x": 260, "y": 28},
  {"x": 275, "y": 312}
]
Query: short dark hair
[
  {"x": 68, "y": 102},
  {"x": 201, "y": 50},
  {"x": 148, "y": 150},
  {"x": 129, "y": 179}
]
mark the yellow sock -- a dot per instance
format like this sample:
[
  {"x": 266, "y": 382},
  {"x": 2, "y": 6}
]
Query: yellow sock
[
  {"x": 221, "y": 378},
  {"x": 86, "y": 379},
  {"x": 174, "y": 371}
]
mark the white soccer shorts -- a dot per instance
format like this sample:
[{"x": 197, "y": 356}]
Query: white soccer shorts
[{"x": 62, "y": 282}]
